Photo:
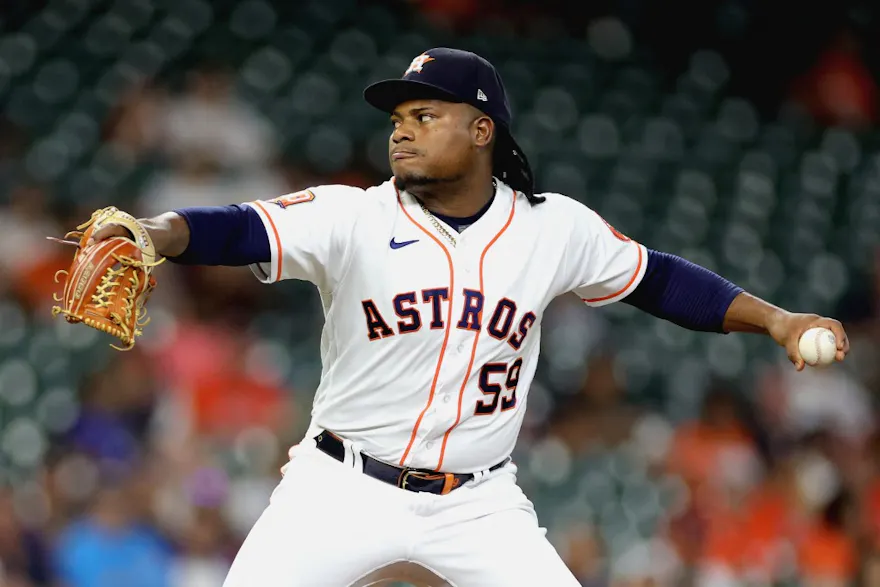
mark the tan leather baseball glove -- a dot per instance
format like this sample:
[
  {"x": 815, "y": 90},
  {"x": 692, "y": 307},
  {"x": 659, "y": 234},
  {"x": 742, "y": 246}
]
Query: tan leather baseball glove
[{"x": 109, "y": 281}]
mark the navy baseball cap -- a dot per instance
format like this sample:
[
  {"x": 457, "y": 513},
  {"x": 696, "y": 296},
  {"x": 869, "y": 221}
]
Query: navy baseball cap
[{"x": 453, "y": 75}]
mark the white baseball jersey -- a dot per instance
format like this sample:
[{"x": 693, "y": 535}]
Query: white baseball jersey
[{"x": 429, "y": 348}]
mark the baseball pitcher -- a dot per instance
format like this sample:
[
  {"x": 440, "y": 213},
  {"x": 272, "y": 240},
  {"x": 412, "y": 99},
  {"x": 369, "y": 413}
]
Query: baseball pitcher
[{"x": 433, "y": 286}]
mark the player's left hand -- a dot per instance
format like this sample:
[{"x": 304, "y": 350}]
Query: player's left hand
[{"x": 786, "y": 329}]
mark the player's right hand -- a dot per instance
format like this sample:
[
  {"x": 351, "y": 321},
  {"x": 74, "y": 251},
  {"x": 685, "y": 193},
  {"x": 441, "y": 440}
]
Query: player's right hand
[
  {"x": 169, "y": 232},
  {"x": 110, "y": 231}
]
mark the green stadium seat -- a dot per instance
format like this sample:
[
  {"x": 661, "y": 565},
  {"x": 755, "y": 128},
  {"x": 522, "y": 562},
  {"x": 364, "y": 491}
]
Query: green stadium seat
[
  {"x": 708, "y": 70},
  {"x": 47, "y": 160},
  {"x": 759, "y": 163},
  {"x": 843, "y": 146},
  {"x": 556, "y": 108},
  {"x": 315, "y": 94},
  {"x": 796, "y": 119},
  {"x": 361, "y": 122},
  {"x": 23, "y": 442},
  {"x": 688, "y": 220},
  {"x": 639, "y": 84},
  {"x": 737, "y": 120},
  {"x": 599, "y": 137},
  {"x": 46, "y": 29},
  {"x": 253, "y": 20},
  {"x": 353, "y": 50},
  {"x": 15, "y": 327},
  {"x": 56, "y": 409},
  {"x": 18, "y": 52},
  {"x": 329, "y": 148},
  {"x": 293, "y": 42},
  {"x": 137, "y": 13},
  {"x": 18, "y": 384},
  {"x": 149, "y": 57},
  {"x": 520, "y": 81},
  {"x": 564, "y": 178},
  {"x": 71, "y": 13},
  {"x": 685, "y": 111},
  {"x": 197, "y": 15},
  {"x": 56, "y": 81},
  {"x": 108, "y": 36},
  {"x": 662, "y": 139},
  {"x": 381, "y": 23},
  {"x": 407, "y": 45},
  {"x": 265, "y": 72},
  {"x": 580, "y": 79}
]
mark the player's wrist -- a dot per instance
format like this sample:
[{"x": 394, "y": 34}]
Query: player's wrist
[
  {"x": 170, "y": 233},
  {"x": 777, "y": 323},
  {"x": 748, "y": 313}
]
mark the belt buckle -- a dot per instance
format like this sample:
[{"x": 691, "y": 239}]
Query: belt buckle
[
  {"x": 404, "y": 477},
  {"x": 450, "y": 482}
]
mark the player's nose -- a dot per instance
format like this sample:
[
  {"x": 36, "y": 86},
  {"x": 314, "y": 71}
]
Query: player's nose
[{"x": 402, "y": 133}]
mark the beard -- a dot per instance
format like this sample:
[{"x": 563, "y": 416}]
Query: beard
[{"x": 414, "y": 183}]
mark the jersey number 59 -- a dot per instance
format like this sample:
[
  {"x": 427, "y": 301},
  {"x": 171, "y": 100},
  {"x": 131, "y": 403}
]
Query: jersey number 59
[{"x": 496, "y": 394}]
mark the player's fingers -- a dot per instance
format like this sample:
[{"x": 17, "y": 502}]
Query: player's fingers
[
  {"x": 106, "y": 232},
  {"x": 794, "y": 354},
  {"x": 839, "y": 335}
]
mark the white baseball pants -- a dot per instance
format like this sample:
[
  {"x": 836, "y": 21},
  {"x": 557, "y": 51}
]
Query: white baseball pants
[{"x": 329, "y": 525}]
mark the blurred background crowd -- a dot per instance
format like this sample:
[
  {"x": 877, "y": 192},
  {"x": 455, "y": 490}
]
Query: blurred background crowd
[{"x": 739, "y": 134}]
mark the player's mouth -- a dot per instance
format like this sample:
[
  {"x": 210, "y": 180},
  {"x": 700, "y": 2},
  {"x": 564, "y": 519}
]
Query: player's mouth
[{"x": 402, "y": 154}]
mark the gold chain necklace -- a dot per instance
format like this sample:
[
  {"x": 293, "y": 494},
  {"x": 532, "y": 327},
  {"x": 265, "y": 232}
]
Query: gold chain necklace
[{"x": 437, "y": 225}]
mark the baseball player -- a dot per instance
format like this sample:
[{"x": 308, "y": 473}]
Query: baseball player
[{"x": 433, "y": 287}]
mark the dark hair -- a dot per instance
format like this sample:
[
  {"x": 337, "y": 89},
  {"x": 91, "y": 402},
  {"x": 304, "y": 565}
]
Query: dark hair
[{"x": 511, "y": 165}]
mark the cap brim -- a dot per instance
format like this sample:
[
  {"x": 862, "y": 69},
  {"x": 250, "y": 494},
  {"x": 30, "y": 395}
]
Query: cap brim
[{"x": 387, "y": 95}]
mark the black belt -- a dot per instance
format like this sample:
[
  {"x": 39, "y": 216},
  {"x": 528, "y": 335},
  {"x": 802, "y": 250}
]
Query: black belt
[{"x": 410, "y": 479}]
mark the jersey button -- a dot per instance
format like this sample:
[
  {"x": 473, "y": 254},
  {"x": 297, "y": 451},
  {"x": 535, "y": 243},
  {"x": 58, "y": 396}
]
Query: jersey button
[
  {"x": 446, "y": 398},
  {"x": 429, "y": 446},
  {"x": 460, "y": 347}
]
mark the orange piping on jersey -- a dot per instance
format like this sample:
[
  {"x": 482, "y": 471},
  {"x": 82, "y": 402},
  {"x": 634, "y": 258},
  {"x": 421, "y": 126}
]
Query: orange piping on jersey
[
  {"x": 476, "y": 335},
  {"x": 277, "y": 241},
  {"x": 625, "y": 287},
  {"x": 418, "y": 423}
]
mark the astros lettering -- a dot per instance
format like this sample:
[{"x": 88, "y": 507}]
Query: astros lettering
[{"x": 408, "y": 308}]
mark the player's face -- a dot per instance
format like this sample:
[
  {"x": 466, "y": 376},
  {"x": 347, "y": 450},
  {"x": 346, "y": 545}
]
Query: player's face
[{"x": 434, "y": 142}]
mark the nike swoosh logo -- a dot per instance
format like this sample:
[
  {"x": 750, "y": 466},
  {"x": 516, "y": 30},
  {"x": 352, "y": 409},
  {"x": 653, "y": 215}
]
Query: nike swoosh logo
[{"x": 397, "y": 245}]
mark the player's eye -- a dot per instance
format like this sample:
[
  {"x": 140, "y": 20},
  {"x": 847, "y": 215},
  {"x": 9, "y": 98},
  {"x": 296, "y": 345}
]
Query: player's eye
[
  {"x": 425, "y": 117},
  {"x": 395, "y": 123}
]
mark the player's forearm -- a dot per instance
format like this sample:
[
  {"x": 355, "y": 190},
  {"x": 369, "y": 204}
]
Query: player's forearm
[
  {"x": 218, "y": 235},
  {"x": 750, "y": 314},
  {"x": 170, "y": 233},
  {"x": 683, "y": 293}
]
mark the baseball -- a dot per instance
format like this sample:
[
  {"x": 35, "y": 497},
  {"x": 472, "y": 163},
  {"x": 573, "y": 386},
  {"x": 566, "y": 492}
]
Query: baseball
[{"x": 818, "y": 347}]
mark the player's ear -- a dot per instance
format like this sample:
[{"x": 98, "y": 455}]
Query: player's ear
[{"x": 483, "y": 131}]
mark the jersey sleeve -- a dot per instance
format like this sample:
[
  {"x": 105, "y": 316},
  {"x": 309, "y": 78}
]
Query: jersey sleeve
[
  {"x": 601, "y": 264},
  {"x": 310, "y": 233}
]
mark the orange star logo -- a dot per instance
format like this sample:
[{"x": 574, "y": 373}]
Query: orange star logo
[{"x": 418, "y": 63}]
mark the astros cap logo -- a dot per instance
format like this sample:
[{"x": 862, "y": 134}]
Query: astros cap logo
[{"x": 418, "y": 63}]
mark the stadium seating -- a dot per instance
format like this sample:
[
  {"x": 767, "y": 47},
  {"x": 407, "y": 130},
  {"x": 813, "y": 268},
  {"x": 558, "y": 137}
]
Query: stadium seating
[{"x": 678, "y": 164}]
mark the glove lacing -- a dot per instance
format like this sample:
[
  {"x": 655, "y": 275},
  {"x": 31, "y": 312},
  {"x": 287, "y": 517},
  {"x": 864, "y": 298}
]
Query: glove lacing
[{"x": 104, "y": 292}]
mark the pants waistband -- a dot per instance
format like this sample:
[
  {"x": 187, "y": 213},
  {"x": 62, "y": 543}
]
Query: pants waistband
[{"x": 417, "y": 480}]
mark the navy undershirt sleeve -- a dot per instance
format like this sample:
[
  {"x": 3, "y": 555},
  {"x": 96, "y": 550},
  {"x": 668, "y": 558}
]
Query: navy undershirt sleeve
[
  {"x": 224, "y": 235},
  {"x": 683, "y": 293}
]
